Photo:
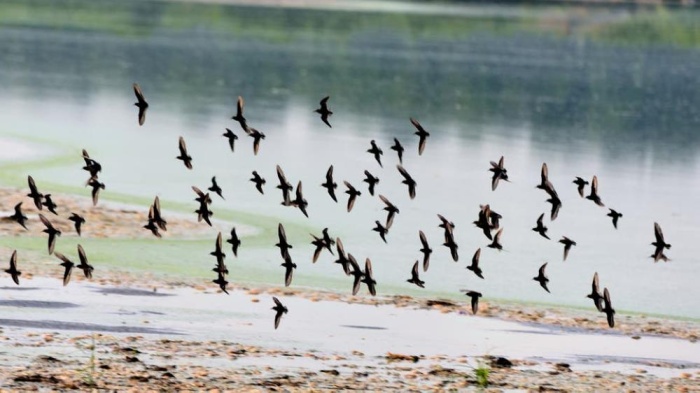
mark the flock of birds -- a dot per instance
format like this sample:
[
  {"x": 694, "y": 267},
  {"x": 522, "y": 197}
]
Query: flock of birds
[{"x": 488, "y": 220}]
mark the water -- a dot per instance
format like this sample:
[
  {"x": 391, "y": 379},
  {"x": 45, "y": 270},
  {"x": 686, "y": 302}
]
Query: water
[{"x": 581, "y": 89}]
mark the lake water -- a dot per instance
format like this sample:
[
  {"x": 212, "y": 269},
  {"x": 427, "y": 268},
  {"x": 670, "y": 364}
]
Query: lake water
[{"x": 611, "y": 92}]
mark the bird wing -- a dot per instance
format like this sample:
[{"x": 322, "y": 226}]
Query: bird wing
[
  {"x": 218, "y": 243},
  {"x": 544, "y": 173},
  {"x": 278, "y": 318},
  {"x": 32, "y": 185},
  {"x": 13, "y": 261},
  {"x": 475, "y": 258},
  {"x": 46, "y": 222},
  {"x": 501, "y": 162},
  {"x": 351, "y": 202},
  {"x": 281, "y": 177},
  {"x": 475, "y": 304},
  {"x": 339, "y": 247},
  {"x": 282, "y": 235},
  {"x": 567, "y": 247},
  {"x": 494, "y": 181},
  {"x": 18, "y": 209},
  {"x": 324, "y": 103},
  {"x": 423, "y": 240},
  {"x": 594, "y": 186},
  {"x": 142, "y": 115},
  {"x": 139, "y": 94},
  {"x": 288, "y": 275},
  {"x": 596, "y": 288},
  {"x": 404, "y": 173},
  {"x": 82, "y": 255},
  {"x": 542, "y": 273},
  {"x": 539, "y": 220},
  {"x": 66, "y": 273},
  {"x": 95, "y": 194},
  {"x": 368, "y": 269},
  {"x": 356, "y": 285},
  {"x": 256, "y": 145},
  {"x": 417, "y": 125},
  {"x": 182, "y": 146},
  {"x": 329, "y": 174},
  {"x": 658, "y": 233},
  {"x": 299, "y": 194},
  {"x": 414, "y": 271},
  {"x": 277, "y": 302},
  {"x": 239, "y": 107},
  {"x": 497, "y": 238}
]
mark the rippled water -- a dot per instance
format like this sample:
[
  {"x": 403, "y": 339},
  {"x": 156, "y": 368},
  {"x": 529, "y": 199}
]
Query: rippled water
[{"x": 611, "y": 92}]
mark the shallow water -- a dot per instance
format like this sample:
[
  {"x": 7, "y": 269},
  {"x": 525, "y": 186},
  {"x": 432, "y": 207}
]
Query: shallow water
[{"x": 580, "y": 89}]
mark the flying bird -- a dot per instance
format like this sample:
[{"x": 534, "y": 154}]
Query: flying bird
[
  {"x": 450, "y": 243},
  {"x": 215, "y": 188},
  {"x": 595, "y": 294},
  {"x": 556, "y": 205},
  {"x": 67, "y": 267},
  {"x": 376, "y": 151},
  {"x": 475, "y": 264},
  {"x": 594, "y": 192},
  {"x": 151, "y": 225},
  {"x": 446, "y": 224},
  {"x": 615, "y": 215},
  {"x": 284, "y": 185},
  {"x": 407, "y": 180},
  {"x": 221, "y": 281},
  {"x": 279, "y": 310},
  {"x": 140, "y": 103},
  {"x": 398, "y": 149},
  {"x": 289, "y": 267},
  {"x": 328, "y": 240},
  {"x": 234, "y": 241},
  {"x": 19, "y": 217},
  {"x": 371, "y": 181},
  {"x": 96, "y": 187},
  {"x": 581, "y": 184},
  {"x": 78, "y": 222},
  {"x": 12, "y": 271},
  {"x": 381, "y": 230},
  {"x": 425, "y": 249},
  {"x": 51, "y": 231},
  {"x": 257, "y": 136},
  {"x": 324, "y": 111},
  {"x": 320, "y": 244},
  {"x": 231, "y": 138},
  {"x": 414, "y": 276},
  {"x": 84, "y": 265},
  {"x": 542, "y": 277},
  {"x": 283, "y": 245},
  {"x": 186, "y": 158},
  {"x": 475, "y": 300},
  {"x": 157, "y": 216},
  {"x": 496, "y": 243},
  {"x": 422, "y": 135},
  {"x": 91, "y": 166},
  {"x": 659, "y": 244},
  {"x": 353, "y": 194},
  {"x": 299, "y": 200},
  {"x": 342, "y": 260},
  {"x": 259, "y": 182},
  {"x": 540, "y": 228},
  {"x": 239, "y": 115},
  {"x": 220, "y": 256},
  {"x": 329, "y": 184},
  {"x": 499, "y": 173},
  {"x": 34, "y": 193},
  {"x": 567, "y": 245},
  {"x": 202, "y": 198},
  {"x": 368, "y": 278},
  {"x": 391, "y": 210},
  {"x": 608, "y": 309},
  {"x": 545, "y": 184}
]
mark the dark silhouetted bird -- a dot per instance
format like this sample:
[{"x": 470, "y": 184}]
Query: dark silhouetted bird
[
  {"x": 140, "y": 103},
  {"x": 425, "y": 249},
  {"x": 67, "y": 267},
  {"x": 357, "y": 274},
  {"x": 380, "y": 229},
  {"x": 376, "y": 151},
  {"x": 475, "y": 264},
  {"x": 78, "y": 222},
  {"x": 422, "y": 135},
  {"x": 496, "y": 243},
  {"x": 342, "y": 260},
  {"x": 540, "y": 228},
  {"x": 329, "y": 184},
  {"x": 407, "y": 180},
  {"x": 499, "y": 173},
  {"x": 371, "y": 181},
  {"x": 285, "y": 186},
  {"x": 556, "y": 205},
  {"x": 659, "y": 244},
  {"x": 157, "y": 216},
  {"x": 353, "y": 194},
  {"x": 324, "y": 111},
  {"x": 289, "y": 267},
  {"x": 475, "y": 300},
  {"x": 18, "y": 217},
  {"x": 391, "y": 210},
  {"x": 594, "y": 192},
  {"x": 615, "y": 216},
  {"x": 452, "y": 245},
  {"x": 259, "y": 182},
  {"x": 279, "y": 310},
  {"x": 446, "y": 224},
  {"x": 368, "y": 278},
  {"x": 595, "y": 294},
  {"x": 96, "y": 187},
  {"x": 415, "y": 279},
  {"x": 545, "y": 184},
  {"x": 215, "y": 188},
  {"x": 239, "y": 115},
  {"x": 299, "y": 201},
  {"x": 202, "y": 198},
  {"x": 328, "y": 240},
  {"x": 231, "y": 138},
  {"x": 186, "y": 158},
  {"x": 282, "y": 244},
  {"x": 84, "y": 265},
  {"x": 320, "y": 244},
  {"x": 35, "y": 194},
  {"x": 581, "y": 185},
  {"x": 608, "y": 308},
  {"x": 234, "y": 241},
  {"x": 51, "y": 231},
  {"x": 567, "y": 245},
  {"x": 91, "y": 166},
  {"x": 484, "y": 221},
  {"x": 12, "y": 271},
  {"x": 542, "y": 277},
  {"x": 257, "y": 136},
  {"x": 221, "y": 281},
  {"x": 398, "y": 149},
  {"x": 151, "y": 225},
  {"x": 219, "y": 254},
  {"x": 203, "y": 213}
]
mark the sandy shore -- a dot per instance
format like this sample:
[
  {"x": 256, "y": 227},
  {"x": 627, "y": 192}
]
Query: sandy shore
[{"x": 165, "y": 332}]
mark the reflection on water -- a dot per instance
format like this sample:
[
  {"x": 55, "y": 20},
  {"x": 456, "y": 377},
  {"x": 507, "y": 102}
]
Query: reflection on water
[{"x": 576, "y": 89}]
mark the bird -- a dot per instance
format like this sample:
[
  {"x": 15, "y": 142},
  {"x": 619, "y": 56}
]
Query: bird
[
  {"x": 257, "y": 136},
  {"x": 446, "y": 224},
  {"x": 608, "y": 309},
  {"x": 567, "y": 245},
  {"x": 595, "y": 293},
  {"x": 202, "y": 198},
  {"x": 391, "y": 209},
  {"x": 425, "y": 249},
  {"x": 84, "y": 265},
  {"x": 542, "y": 277},
  {"x": 368, "y": 278},
  {"x": 219, "y": 254},
  {"x": 398, "y": 149},
  {"x": 215, "y": 188},
  {"x": 51, "y": 231},
  {"x": 594, "y": 192},
  {"x": 496, "y": 243},
  {"x": 342, "y": 260},
  {"x": 494, "y": 218},
  {"x": 186, "y": 158},
  {"x": 299, "y": 201},
  {"x": 279, "y": 310},
  {"x": 320, "y": 244},
  {"x": 660, "y": 244},
  {"x": 234, "y": 241},
  {"x": 91, "y": 166},
  {"x": 422, "y": 135},
  {"x": 96, "y": 187},
  {"x": 475, "y": 264},
  {"x": 615, "y": 215},
  {"x": 19, "y": 217},
  {"x": 140, "y": 103},
  {"x": 151, "y": 225},
  {"x": 259, "y": 182},
  {"x": 376, "y": 151},
  {"x": 12, "y": 271},
  {"x": 581, "y": 185},
  {"x": 282, "y": 244},
  {"x": 407, "y": 180},
  {"x": 284, "y": 185},
  {"x": 475, "y": 300},
  {"x": 231, "y": 138},
  {"x": 380, "y": 229},
  {"x": 324, "y": 111},
  {"x": 203, "y": 213},
  {"x": 540, "y": 228},
  {"x": 353, "y": 194},
  {"x": 78, "y": 222},
  {"x": 239, "y": 114},
  {"x": 289, "y": 267},
  {"x": 34, "y": 193},
  {"x": 556, "y": 205},
  {"x": 67, "y": 267},
  {"x": 328, "y": 240},
  {"x": 157, "y": 217},
  {"x": 450, "y": 243},
  {"x": 499, "y": 173},
  {"x": 371, "y": 181},
  {"x": 484, "y": 221},
  {"x": 329, "y": 184},
  {"x": 414, "y": 276},
  {"x": 221, "y": 281},
  {"x": 357, "y": 274},
  {"x": 545, "y": 184}
]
